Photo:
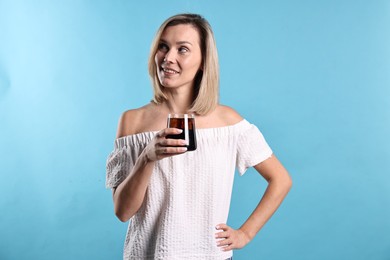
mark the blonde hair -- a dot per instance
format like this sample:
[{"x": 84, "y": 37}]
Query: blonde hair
[{"x": 207, "y": 79}]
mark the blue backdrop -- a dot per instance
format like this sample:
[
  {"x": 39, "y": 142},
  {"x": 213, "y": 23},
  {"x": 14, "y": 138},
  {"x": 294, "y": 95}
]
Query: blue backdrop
[{"x": 313, "y": 75}]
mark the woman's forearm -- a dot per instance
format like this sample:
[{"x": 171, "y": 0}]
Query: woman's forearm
[
  {"x": 278, "y": 187},
  {"x": 273, "y": 196},
  {"x": 129, "y": 195}
]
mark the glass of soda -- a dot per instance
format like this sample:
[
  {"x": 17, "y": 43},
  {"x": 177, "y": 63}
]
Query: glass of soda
[{"x": 185, "y": 122}]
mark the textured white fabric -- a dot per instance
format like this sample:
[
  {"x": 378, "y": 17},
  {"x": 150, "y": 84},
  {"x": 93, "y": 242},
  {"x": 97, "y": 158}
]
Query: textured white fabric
[{"x": 188, "y": 194}]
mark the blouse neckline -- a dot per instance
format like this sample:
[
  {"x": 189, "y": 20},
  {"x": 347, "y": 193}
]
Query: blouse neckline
[{"x": 227, "y": 127}]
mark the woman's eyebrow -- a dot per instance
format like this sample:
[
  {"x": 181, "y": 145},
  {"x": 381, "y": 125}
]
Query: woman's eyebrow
[
  {"x": 177, "y": 43},
  {"x": 183, "y": 42}
]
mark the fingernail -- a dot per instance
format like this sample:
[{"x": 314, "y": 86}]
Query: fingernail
[
  {"x": 217, "y": 227},
  {"x": 183, "y": 149},
  {"x": 179, "y": 131}
]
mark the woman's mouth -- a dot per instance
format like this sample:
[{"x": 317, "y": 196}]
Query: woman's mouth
[{"x": 169, "y": 71}]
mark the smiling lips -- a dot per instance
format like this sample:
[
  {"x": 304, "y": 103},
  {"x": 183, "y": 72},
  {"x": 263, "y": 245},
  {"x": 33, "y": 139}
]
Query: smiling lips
[{"x": 169, "y": 71}]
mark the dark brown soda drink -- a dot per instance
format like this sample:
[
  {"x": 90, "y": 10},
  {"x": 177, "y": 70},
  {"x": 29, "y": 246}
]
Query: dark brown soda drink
[{"x": 185, "y": 122}]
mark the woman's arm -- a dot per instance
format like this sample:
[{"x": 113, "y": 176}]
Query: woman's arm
[
  {"x": 279, "y": 184},
  {"x": 129, "y": 195}
]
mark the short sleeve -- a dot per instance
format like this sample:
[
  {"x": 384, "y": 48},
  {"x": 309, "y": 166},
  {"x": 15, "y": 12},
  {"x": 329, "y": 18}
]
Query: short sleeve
[
  {"x": 118, "y": 166},
  {"x": 252, "y": 149}
]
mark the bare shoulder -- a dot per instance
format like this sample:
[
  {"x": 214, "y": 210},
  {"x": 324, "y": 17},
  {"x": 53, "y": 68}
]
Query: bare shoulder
[
  {"x": 144, "y": 119},
  {"x": 220, "y": 117},
  {"x": 129, "y": 121},
  {"x": 228, "y": 115}
]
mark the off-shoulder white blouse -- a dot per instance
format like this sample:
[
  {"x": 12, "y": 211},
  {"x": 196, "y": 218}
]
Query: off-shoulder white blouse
[{"x": 188, "y": 194}]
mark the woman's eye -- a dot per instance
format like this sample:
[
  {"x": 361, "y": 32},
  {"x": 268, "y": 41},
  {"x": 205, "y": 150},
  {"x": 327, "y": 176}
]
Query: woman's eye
[
  {"x": 163, "y": 47},
  {"x": 183, "y": 49}
]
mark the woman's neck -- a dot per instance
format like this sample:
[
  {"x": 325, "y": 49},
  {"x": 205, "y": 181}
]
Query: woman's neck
[{"x": 179, "y": 102}]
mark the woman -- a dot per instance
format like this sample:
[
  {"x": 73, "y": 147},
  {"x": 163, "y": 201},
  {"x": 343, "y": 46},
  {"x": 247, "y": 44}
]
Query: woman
[{"x": 178, "y": 201}]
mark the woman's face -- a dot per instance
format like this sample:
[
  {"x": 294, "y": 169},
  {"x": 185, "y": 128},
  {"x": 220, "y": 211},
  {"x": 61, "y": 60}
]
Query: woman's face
[{"x": 178, "y": 56}]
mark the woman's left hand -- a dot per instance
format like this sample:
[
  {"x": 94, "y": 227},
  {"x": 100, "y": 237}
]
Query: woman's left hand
[{"x": 229, "y": 238}]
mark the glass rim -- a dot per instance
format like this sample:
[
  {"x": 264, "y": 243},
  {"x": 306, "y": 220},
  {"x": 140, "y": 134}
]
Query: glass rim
[{"x": 181, "y": 115}]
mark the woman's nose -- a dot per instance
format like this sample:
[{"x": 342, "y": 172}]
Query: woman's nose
[{"x": 169, "y": 56}]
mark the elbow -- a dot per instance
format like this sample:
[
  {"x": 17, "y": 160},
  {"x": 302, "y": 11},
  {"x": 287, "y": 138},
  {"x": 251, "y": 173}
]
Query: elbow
[
  {"x": 289, "y": 183},
  {"x": 284, "y": 183},
  {"x": 123, "y": 219},
  {"x": 122, "y": 216},
  {"x": 122, "y": 212},
  {"x": 286, "y": 180}
]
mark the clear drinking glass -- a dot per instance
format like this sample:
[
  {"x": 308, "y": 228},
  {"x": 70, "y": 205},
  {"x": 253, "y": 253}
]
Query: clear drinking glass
[{"x": 185, "y": 122}]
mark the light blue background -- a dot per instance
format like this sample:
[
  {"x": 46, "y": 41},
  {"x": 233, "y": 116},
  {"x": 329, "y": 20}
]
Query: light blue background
[{"x": 313, "y": 75}]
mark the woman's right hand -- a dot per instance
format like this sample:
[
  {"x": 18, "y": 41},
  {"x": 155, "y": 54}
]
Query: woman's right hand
[{"x": 161, "y": 147}]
